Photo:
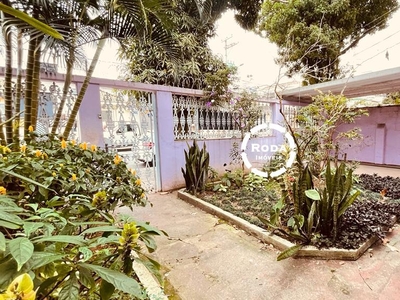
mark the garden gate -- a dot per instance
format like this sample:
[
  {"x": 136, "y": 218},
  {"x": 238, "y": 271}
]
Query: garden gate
[{"x": 129, "y": 130}]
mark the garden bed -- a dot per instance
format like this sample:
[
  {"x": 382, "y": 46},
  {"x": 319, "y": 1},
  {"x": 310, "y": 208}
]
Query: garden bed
[
  {"x": 364, "y": 223},
  {"x": 273, "y": 239}
]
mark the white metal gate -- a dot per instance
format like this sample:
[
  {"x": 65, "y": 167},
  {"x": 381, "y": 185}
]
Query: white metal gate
[{"x": 129, "y": 129}]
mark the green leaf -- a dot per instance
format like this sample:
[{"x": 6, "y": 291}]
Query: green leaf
[
  {"x": 102, "y": 229},
  {"x": 106, "y": 290},
  {"x": 70, "y": 291},
  {"x": 119, "y": 280},
  {"x": 8, "y": 225},
  {"x": 30, "y": 227},
  {"x": 21, "y": 250},
  {"x": 313, "y": 194},
  {"x": 86, "y": 252},
  {"x": 289, "y": 252},
  {"x": 27, "y": 179},
  {"x": 40, "y": 259},
  {"x": 2, "y": 242},
  {"x": 68, "y": 239},
  {"x": 8, "y": 268},
  {"x": 86, "y": 277},
  {"x": 5, "y": 216},
  {"x": 46, "y": 29},
  {"x": 48, "y": 284}
]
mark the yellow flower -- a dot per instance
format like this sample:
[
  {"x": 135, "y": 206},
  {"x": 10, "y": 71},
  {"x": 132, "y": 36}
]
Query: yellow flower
[
  {"x": 117, "y": 159},
  {"x": 23, "y": 148},
  {"x": 93, "y": 148},
  {"x": 54, "y": 174},
  {"x": 61, "y": 165},
  {"x": 129, "y": 235},
  {"x": 138, "y": 181},
  {"x": 63, "y": 144},
  {"x": 99, "y": 198},
  {"x": 133, "y": 172},
  {"x": 73, "y": 177},
  {"x": 3, "y": 190},
  {"x": 83, "y": 146},
  {"x": 30, "y": 128},
  {"x": 38, "y": 153},
  {"x": 142, "y": 195},
  {"x": 73, "y": 142},
  {"x": 5, "y": 149},
  {"x": 21, "y": 288}
]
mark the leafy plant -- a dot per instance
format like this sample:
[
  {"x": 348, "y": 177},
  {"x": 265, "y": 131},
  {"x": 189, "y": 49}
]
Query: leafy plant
[
  {"x": 253, "y": 182},
  {"x": 69, "y": 255},
  {"x": 55, "y": 221},
  {"x": 196, "y": 168},
  {"x": 235, "y": 178},
  {"x": 316, "y": 196},
  {"x": 387, "y": 186},
  {"x": 47, "y": 170},
  {"x": 317, "y": 207}
]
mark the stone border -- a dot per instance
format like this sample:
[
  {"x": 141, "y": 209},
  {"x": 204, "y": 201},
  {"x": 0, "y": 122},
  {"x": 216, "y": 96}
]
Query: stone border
[{"x": 276, "y": 241}]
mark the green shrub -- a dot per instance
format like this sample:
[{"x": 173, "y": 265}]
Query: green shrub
[
  {"x": 56, "y": 200},
  {"x": 47, "y": 171}
]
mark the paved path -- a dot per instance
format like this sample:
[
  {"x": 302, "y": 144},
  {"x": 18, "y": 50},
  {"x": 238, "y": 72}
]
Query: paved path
[{"x": 211, "y": 260}]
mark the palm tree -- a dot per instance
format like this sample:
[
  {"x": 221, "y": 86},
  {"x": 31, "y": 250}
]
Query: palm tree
[
  {"x": 119, "y": 20},
  {"x": 17, "y": 19},
  {"x": 80, "y": 22}
]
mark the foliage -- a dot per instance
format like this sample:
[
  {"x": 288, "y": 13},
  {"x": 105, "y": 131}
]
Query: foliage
[
  {"x": 31, "y": 21},
  {"x": 233, "y": 179},
  {"x": 392, "y": 98},
  {"x": 217, "y": 87},
  {"x": 193, "y": 23},
  {"x": 196, "y": 168},
  {"x": 387, "y": 186},
  {"x": 315, "y": 195},
  {"x": 55, "y": 221},
  {"x": 317, "y": 136},
  {"x": 313, "y": 35},
  {"x": 70, "y": 255},
  {"x": 365, "y": 218},
  {"x": 246, "y": 114},
  {"x": 62, "y": 169},
  {"x": 253, "y": 182},
  {"x": 80, "y": 22},
  {"x": 244, "y": 202}
]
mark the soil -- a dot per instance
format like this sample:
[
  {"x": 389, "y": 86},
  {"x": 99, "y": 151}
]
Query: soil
[{"x": 372, "y": 214}]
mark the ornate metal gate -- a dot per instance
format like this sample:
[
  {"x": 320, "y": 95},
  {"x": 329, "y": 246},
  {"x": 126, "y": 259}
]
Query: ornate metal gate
[{"x": 129, "y": 130}]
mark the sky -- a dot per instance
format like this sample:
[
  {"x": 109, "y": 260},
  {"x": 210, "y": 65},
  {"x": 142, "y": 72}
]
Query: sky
[{"x": 255, "y": 55}]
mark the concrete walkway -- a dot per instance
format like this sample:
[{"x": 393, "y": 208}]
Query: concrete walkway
[{"x": 209, "y": 259}]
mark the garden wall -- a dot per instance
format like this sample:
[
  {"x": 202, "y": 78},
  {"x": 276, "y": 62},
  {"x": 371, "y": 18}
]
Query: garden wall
[{"x": 381, "y": 132}]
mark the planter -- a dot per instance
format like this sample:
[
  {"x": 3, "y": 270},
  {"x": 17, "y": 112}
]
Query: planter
[{"x": 276, "y": 241}]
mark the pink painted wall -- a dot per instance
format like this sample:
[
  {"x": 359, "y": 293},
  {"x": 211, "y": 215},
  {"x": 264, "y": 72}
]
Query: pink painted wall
[{"x": 381, "y": 132}]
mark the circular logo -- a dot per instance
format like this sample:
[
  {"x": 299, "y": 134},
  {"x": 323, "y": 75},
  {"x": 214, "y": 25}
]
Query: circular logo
[{"x": 290, "y": 140}]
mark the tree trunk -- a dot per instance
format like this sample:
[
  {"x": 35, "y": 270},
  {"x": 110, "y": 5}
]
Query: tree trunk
[
  {"x": 67, "y": 83},
  {"x": 8, "y": 111},
  {"x": 36, "y": 83},
  {"x": 18, "y": 89},
  {"x": 29, "y": 86},
  {"x": 82, "y": 91}
]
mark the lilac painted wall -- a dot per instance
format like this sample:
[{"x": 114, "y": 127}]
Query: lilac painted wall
[
  {"x": 171, "y": 151},
  {"x": 90, "y": 123},
  {"x": 381, "y": 131}
]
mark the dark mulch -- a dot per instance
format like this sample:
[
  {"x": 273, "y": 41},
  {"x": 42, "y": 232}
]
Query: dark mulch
[{"x": 372, "y": 214}]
